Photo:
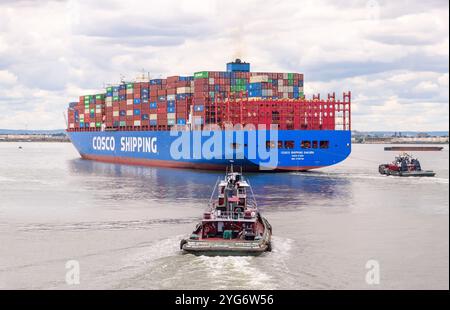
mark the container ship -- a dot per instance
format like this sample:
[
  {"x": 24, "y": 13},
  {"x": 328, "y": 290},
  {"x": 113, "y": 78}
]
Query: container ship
[{"x": 257, "y": 120}]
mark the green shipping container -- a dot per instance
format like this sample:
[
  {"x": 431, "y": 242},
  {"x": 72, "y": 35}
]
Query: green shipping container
[
  {"x": 98, "y": 124},
  {"x": 201, "y": 75},
  {"x": 241, "y": 82},
  {"x": 116, "y": 98},
  {"x": 99, "y": 96},
  {"x": 109, "y": 89},
  {"x": 290, "y": 82},
  {"x": 130, "y": 86},
  {"x": 290, "y": 76},
  {"x": 92, "y": 110},
  {"x": 122, "y": 123}
]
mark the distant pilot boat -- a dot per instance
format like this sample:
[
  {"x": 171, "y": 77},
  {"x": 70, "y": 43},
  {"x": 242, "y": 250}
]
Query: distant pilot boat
[{"x": 405, "y": 166}]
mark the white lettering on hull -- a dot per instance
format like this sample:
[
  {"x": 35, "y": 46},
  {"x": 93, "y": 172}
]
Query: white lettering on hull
[{"x": 127, "y": 144}]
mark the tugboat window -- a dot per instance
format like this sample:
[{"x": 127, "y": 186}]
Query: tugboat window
[
  {"x": 289, "y": 144},
  {"x": 306, "y": 144},
  {"x": 324, "y": 144}
]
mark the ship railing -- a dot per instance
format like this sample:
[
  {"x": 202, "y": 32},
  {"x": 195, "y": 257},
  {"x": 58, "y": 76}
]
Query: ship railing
[{"x": 228, "y": 215}]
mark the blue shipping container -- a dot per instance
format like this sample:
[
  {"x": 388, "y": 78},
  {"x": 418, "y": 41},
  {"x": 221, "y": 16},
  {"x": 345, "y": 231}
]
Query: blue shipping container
[
  {"x": 254, "y": 86},
  {"x": 170, "y": 109},
  {"x": 181, "y": 121},
  {"x": 137, "y": 101},
  {"x": 198, "y": 108},
  {"x": 153, "y": 105},
  {"x": 145, "y": 117},
  {"x": 153, "y": 122},
  {"x": 171, "y": 103},
  {"x": 156, "y": 82},
  {"x": 255, "y": 93},
  {"x": 137, "y": 112}
]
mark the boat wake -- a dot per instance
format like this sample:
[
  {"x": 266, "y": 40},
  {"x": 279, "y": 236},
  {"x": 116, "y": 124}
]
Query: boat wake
[
  {"x": 374, "y": 176},
  {"x": 161, "y": 265}
]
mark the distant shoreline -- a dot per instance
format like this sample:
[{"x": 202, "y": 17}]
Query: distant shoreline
[{"x": 34, "y": 138}]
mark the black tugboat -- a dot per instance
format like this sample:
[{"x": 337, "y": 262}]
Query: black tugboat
[
  {"x": 232, "y": 224},
  {"x": 405, "y": 165}
]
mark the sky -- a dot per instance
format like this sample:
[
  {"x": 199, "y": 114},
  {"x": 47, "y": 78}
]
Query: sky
[{"x": 392, "y": 55}]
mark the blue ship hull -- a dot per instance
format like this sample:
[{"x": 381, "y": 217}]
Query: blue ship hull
[{"x": 192, "y": 150}]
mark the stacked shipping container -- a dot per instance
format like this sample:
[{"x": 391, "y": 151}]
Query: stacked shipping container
[{"x": 209, "y": 97}]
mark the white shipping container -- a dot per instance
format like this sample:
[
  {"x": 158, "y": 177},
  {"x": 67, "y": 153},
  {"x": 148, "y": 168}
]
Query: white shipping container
[
  {"x": 109, "y": 100},
  {"x": 171, "y": 115},
  {"x": 98, "y": 111},
  {"x": 291, "y": 89},
  {"x": 285, "y": 76},
  {"x": 184, "y": 90},
  {"x": 129, "y": 112},
  {"x": 211, "y": 81},
  {"x": 153, "y": 116},
  {"x": 109, "y": 104},
  {"x": 137, "y": 123},
  {"x": 280, "y": 83},
  {"x": 171, "y": 97},
  {"x": 280, "y": 89},
  {"x": 267, "y": 92},
  {"x": 259, "y": 79},
  {"x": 71, "y": 125},
  {"x": 115, "y": 113},
  {"x": 92, "y": 125},
  {"x": 285, "y": 95},
  {"x": 130, "y": 91},
  {"x": 129, "y": 101}
]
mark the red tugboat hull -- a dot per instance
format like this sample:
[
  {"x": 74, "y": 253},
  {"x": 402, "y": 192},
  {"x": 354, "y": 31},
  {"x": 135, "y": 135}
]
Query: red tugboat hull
[{"x": 386, "y": 170}]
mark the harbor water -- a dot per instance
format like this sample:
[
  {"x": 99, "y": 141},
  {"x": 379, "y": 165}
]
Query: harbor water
[{"x": 123, "y": 224}]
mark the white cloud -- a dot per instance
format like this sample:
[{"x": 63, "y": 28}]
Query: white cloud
[
  {"x": 7, "y": 78},
  {"x": 393, "y": 56}
]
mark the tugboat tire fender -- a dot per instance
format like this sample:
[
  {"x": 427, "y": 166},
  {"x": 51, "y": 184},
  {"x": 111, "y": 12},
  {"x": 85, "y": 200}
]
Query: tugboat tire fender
[
  {"x": 182, "y": 242},
  {"x": 269, "y": 247}
]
